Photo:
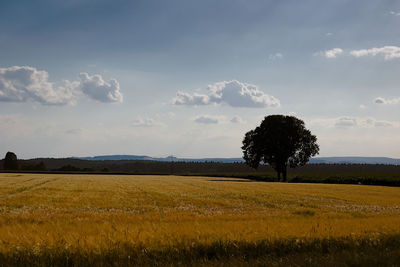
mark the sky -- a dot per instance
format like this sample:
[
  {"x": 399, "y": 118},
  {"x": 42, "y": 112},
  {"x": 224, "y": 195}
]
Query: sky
[{"x": 190, "y": 78}]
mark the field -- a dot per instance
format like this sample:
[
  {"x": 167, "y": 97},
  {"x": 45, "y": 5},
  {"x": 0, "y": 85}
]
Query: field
[{"x": 114, "y": 220}]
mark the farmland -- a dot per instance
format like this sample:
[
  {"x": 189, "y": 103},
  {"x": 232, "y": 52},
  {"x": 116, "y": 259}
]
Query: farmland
[{"x": 60, "y": 219}]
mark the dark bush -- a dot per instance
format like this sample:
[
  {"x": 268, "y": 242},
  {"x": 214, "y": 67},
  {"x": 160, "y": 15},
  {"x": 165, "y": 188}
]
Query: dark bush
[{"x": 10, "y": 161}]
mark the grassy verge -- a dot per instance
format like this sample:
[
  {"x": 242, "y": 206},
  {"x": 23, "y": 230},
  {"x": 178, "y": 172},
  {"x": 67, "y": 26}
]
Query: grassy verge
[{"x": 377, "y": 251}]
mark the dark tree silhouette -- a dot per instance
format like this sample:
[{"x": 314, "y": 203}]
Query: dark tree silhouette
[
  {"x": 10, "y": 161},
  {"x": 279, "y": 141}
]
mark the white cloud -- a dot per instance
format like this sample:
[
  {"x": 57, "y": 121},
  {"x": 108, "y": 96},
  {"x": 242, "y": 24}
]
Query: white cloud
[
  {"x": 328, "y": 34},
  {"x": 383, "y": 124},
  {"x": 275, "y": 56},
  {"x": 24, "y": 83},
  {"x": 146, "y": 122},
  {"x": 381, "y": 100},
  {"x": 237, "y": 94},
  {"x": 232, "y": 93},
  {"x": 96, "y": 88},
  {"x": 183, "y": 98},
  {"x": 362, "y": 106},
  {"x": 238, "y": 119},
  {"x": 333, "y": 53},
  {"x": 394, "y": 13},
  {"x": 345, "y": 122},
  {"x": 371, "y": 122},
  {"x": 206, "y": 119},
  {"x": 389, "y": 52}
]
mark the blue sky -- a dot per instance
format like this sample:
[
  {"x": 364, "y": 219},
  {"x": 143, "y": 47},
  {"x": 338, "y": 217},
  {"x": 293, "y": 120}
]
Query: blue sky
[{"x": 190, "y": 78}]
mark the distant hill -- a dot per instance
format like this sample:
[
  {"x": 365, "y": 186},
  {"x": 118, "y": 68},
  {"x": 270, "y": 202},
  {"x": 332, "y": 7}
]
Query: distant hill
[
  {"x": 355, "y": 160},
  {"x": 118, "y": 157},
  {"x": 325, "y": 160}
]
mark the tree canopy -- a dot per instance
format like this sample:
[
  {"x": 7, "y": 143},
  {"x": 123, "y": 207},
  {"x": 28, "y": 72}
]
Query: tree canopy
[
  {"x": 280, "y": 141},
  {"x": 10, "y": 161}
]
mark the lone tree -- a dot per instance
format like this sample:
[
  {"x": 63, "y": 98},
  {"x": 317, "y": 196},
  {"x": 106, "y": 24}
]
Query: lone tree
[
  {"x": 10, "y": 161},
  {"x": 279, "y": 141}
]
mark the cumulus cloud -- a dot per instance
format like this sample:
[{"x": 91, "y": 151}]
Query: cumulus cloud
[
  {"x": 146, "y": 122},
  {"x": 24, "y": 83},
  {"x": 232, "y": 93},
  {"x": 333, "y": 53},
  {"x": 96, "y": 88},
  {"x": 394, "y": 13},
  {"x": 206, "y": 119},
  {"x": 345, "y": 122},
  {"x": 388, "y": 52},
  {"x": 183, "y": 98},
  {"x": 381, "y": 100},
  {"x": 237, "y": 119}
]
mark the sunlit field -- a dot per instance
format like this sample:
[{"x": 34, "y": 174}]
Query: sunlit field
[{"x": 52, "y": 219}]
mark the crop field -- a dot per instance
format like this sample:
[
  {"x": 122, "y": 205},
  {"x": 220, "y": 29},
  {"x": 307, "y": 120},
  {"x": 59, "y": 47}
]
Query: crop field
[{"x": 117, "y": 220}]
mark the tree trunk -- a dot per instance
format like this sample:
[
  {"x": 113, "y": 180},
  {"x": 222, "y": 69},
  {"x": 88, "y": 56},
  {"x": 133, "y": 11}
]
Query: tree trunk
[
  {"x": 279, "y": 175},
  {"x": 284, "y": 174}
]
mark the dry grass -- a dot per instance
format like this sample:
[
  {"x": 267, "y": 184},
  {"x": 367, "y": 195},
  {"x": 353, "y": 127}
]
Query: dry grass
[{"x": 45, "y": 213}]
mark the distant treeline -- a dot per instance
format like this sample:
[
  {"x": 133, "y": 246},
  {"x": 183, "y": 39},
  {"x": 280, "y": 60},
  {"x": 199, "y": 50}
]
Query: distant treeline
[
  {"x": 158, "y": 167},
  {"x": 366, "y": 174}
]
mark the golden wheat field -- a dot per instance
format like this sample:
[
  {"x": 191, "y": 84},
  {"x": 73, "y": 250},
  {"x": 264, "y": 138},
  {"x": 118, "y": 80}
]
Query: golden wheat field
[{"x": 91, "y": 213}]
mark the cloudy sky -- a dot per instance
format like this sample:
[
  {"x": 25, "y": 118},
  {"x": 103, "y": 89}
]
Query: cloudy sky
[{"x": 190, "y": 78}]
